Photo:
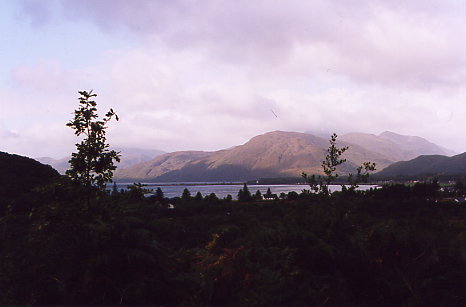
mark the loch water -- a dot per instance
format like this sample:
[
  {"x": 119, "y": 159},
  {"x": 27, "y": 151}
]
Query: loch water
[{"x": 223, "y": 189}]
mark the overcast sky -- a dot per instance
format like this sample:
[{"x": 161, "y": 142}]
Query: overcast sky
[{"x": 211, "y": 74}]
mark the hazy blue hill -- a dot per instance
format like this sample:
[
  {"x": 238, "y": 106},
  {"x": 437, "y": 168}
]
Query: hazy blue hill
[
  {"x": 395, "y": 146},
  {"x": 129, "y": 157},
  {"x": 416, "y": 144},
  {"x": 422, "y": 165},
  {"x": 428, "y": 165},
  {"x": 380, "y": 145},
  {"x": 61, "y": 165},
  {"x": 453, "y": 165},
  {"x": 19, "y": 174}
]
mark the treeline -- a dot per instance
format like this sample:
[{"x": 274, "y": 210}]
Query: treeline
[{"x": 391, "y": 246}]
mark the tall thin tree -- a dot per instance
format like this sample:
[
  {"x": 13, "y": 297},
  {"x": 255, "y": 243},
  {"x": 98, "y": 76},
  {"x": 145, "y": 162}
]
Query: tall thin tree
[{"x": 93, "y": 163}]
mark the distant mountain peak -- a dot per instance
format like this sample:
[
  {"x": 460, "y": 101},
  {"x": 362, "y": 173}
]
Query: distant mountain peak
[
  {"x": 272, "y": 154},
  {"x": 129, "y": 156},
  {"x": 396, "y": 146},
  {"x": 387, "y": 133},
  {"x": 416, "y": 144},
  {"x": 401, "y": 138}
]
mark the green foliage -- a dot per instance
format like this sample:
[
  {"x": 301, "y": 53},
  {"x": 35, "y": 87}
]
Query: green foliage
[
  {"x": 115, "y": 189},
  {"x": 92, "y": 164},
  {"x": 186, "y": 194},
  {"x": 244, "y": 195},
  {"x": 362, "y": 175},
  {"x": 389, "y": 246},
  {"x": 53, "y": 254},
  {"x": 159, "y": 194},
  {"x": 136, "y": 191},
  {"x": 329, "y": 166},
  {"x": 212, "y": 198},
  {"x": 19, "y": 175},
  {"x": 315, "y": 183},
  {"x": 292, "y": 195},
  {"x": 268, "y": 194},
  {"x": 459, "y": 187},
  {"x": 402, "y": 191},
  {"x": 332, "y": 160},
  {"x": 258, "y": 195},
  {"x": 198, "y": 196}
]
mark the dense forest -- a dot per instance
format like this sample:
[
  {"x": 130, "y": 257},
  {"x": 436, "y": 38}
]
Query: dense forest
[{"x": 397, "y": 245}]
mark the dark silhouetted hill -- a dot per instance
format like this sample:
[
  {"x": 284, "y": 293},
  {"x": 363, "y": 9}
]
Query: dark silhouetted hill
[
  {"x": 428, "y": 165},
  {"x": 20, "y": 174}
]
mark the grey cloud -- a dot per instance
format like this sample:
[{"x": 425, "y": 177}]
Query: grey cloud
[
  {"x": 248, "y": 107},
  {"x": 266, "y": 33},
  {"x": 213, "y": 80}
]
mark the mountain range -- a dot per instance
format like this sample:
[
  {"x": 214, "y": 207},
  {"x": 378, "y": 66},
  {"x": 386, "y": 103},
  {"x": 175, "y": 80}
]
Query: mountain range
[
  {"x": 129, "y": 156},
  {"x": 278, "y": 154}
]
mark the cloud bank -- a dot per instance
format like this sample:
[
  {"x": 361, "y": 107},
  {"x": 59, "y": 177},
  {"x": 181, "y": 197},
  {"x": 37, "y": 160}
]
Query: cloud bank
[{"x": 208, "y": 74}]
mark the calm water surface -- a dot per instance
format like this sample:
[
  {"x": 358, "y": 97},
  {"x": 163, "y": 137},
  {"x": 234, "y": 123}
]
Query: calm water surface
[{"x": 222, "y": 190}]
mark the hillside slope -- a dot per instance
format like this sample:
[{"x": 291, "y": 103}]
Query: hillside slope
[
  {"x": 395, "y": 146},
  {"x": 274, "y": 154},
  {"x": 428, "y": 165},
  {"x": 20, "y": 174},
  {"x": 129, "y": 157}
]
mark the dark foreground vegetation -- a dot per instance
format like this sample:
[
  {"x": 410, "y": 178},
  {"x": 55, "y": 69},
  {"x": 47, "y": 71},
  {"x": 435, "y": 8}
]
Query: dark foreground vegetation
[{"x": 394, "y": 246}]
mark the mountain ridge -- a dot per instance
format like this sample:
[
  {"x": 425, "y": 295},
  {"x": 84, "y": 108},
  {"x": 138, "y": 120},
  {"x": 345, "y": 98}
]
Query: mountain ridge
[
  {"x": 20, "y": 174},
  {"x": 129, "y": 157},
  {"x": 272, "y": 154},
  {"x": 396, "y": 146},
  {"x": 276, "y": 153},
  {"x": 427, "y": 165}
]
